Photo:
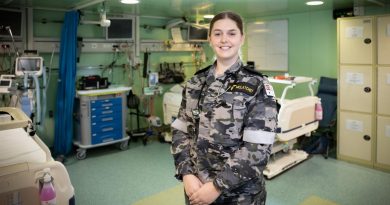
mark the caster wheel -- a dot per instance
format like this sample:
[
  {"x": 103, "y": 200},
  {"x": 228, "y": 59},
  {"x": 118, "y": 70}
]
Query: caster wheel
[
  {"x": 144, "y": 141},
  {"x": 286, "y": 148},
  {"x": 81, "y": 154},
  {"x": 124, "y": 145},
  {"x": 161, "y": 138}
]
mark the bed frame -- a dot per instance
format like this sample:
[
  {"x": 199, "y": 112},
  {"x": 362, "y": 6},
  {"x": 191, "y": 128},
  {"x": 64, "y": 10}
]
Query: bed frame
[
  {"x": 23, "y": 156},
  {"x": 296, "y": 118}
]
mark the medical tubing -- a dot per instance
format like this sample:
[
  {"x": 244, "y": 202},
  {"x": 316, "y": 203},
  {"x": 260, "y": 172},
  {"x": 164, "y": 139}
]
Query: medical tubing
[
  {"x": 38, "y": 99},
  {"x": 25, "y": 84},
  {"x": 50, "y": 64},
  {"x": 8, "y": 28},
  {"x": 43, "y": 96}
]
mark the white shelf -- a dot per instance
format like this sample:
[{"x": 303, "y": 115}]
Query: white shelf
[{"x": 296, "y": 80}]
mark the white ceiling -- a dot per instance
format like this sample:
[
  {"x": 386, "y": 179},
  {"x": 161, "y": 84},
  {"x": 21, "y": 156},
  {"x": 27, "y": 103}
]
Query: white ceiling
[{"x": 188, "y": 8}]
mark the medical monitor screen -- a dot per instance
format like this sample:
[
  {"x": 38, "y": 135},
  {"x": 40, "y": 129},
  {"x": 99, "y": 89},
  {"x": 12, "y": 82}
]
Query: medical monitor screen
[
  {"x": 10, "y": 18},
  {"x": 29, "y": 65},
  {"x": 5, "y": 83},
  {"x": 197, "y": 34},
  {"x": 120, "y": 29}
]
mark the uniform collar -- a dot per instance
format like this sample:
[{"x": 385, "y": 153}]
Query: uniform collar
[{"x": 233, "y": 69}]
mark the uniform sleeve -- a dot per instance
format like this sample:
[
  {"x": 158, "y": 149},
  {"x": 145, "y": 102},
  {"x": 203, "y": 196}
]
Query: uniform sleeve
[
  {"x": 180, "y": 147},
  {"x": 251, "y": 158}
]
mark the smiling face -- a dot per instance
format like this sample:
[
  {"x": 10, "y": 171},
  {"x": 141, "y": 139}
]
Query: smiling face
[{"x": 226, "y": 39}]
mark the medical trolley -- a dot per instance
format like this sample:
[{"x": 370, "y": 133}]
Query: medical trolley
[{"x": 100, "y": 119}]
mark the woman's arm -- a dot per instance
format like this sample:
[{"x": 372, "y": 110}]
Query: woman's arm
[{"x": 180, "y": 147}]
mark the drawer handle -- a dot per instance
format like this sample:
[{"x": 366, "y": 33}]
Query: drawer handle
[
  {"x": 107, "y": 104},
  {"x": 367, "y": 89},
  {"x": 366, "y": 137},
  {"x": 107, "y": 119},
  {"x": 108, "y": 129},
  {"x": 107, "y": 112}
]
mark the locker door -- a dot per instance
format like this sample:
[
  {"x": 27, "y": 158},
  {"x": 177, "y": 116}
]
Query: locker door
[
  {"x": 383, "y": 141},
  {"x": 384, "y": 40},
  {"x": 355, "y": 41},
  {"x": 355, "y": 136},
  {"x": 384, "y": 90},
  {"x": 356, "y": 88}
]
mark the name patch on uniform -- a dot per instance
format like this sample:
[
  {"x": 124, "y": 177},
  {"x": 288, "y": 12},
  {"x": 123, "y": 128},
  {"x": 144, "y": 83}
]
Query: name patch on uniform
[
  {"x": 241, "y": 87},
  {"x": 269, "y": 90}
]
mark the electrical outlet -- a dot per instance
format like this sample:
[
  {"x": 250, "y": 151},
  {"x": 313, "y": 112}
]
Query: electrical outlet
[{"x": 5, "y": 46}]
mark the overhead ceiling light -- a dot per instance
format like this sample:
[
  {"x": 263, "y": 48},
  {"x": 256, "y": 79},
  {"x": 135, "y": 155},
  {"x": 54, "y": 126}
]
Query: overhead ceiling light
[
  {"x": 129, "y": 1},
  {"x": 314, "y": 3},
  {"x": 208, "y": 16}
]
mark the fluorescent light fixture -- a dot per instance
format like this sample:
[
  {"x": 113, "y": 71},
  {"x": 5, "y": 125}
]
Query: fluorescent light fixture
[
  {"x": 314, "y": 3},
  {"x": 129, "y": 1},
  {"x": 208, "y": 16},
  {"x": 259, "y": 22}
]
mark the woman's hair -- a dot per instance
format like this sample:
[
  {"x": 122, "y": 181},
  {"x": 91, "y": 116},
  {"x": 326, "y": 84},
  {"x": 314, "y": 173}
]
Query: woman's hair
[{"x": 228, "y": 15}]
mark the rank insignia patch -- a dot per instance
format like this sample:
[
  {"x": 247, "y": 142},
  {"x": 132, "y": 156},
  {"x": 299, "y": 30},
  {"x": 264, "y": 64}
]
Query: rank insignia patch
[{"x": 243, "y": 87}]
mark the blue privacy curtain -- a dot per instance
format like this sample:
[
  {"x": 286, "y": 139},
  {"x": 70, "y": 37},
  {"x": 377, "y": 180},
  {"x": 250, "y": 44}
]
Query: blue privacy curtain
[{"x": 66, "y": 85}]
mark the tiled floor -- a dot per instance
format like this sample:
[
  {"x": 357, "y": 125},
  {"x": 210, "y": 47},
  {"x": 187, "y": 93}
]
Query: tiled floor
[{"x": 111, "y": 176}]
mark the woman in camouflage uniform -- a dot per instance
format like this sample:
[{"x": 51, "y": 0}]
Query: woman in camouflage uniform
[{"x": 226, "y": 125}]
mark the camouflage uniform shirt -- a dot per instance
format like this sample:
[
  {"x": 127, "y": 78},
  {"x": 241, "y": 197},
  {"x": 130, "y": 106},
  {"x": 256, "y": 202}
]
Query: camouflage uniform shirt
[{"x": 231, "y": 141}]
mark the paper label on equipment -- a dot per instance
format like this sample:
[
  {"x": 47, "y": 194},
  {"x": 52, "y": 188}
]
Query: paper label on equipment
[
  {"x": 387, "y": 131},
  {"x": 354, "y": 32},
  {"x": 354, "y": 125},
  {"x": 355, "y": 78},
  {"x": 176, "y": 35}
]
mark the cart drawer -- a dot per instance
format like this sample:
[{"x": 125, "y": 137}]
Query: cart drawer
[
  {"x": 106, "y": 137},
  {"x": 104, "y": 103}
]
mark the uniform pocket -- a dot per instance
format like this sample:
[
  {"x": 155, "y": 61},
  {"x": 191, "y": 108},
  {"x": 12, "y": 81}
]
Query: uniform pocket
[{"x": 239, "y": 111}]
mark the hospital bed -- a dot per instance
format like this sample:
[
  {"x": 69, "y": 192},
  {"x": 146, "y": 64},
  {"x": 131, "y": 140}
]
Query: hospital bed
[
  {"x": 296, "y": 117},
  {"x": 23, "y": 158},
  {"x": 171, "y": 106}
]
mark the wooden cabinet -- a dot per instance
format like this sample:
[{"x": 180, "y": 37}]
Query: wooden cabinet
[{"x": 364, "y": 90}]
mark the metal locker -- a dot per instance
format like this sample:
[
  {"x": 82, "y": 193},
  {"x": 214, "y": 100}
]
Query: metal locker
[
  {"x": 383, "y": 141},
  {"x": 384, "y": 40},
  {"x": 356, "y": 88},
  {"x": 383, "y": 96},
  {"x": 356, "y": 41},
  {"x": 356, "y": 136}
]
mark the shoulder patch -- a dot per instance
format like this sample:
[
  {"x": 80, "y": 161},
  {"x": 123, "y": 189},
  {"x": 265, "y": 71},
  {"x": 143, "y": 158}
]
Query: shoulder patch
[
  {"x": 251, "y": 71},
  {"x": 203, "y": 70},
  {"x": 269, "y": 90}
]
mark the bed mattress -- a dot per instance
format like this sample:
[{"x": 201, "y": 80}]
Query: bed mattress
[{"x": 16, "y": 146}]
